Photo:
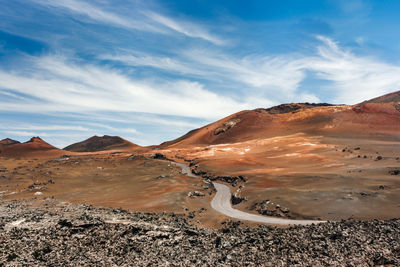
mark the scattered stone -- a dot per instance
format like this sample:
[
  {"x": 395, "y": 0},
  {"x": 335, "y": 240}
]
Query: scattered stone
[
  {"x": 196, "y": 194},
  {"x": 379, "y": 158},
  {"x": 394, "y": 172},
  {"x": 383, "y": 187}
]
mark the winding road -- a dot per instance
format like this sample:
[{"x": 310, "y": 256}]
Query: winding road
[{"x": 222, "y": 203}]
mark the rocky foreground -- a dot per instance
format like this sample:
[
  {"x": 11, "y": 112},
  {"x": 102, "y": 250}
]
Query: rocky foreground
[{"x": 58, "y": 233}]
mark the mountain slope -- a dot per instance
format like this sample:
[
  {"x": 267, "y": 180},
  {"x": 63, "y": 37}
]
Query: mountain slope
[
  {"x": 100, "y": 143},
  {"x": 379, "y": 117}
]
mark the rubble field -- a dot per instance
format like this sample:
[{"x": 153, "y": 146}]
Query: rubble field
[{"x": 53, "y": 233}]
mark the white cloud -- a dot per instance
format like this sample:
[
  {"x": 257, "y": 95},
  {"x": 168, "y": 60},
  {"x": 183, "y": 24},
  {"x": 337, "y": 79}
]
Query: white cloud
[
  {"x": 56, "y": 85},
  {"x": 351, "y": 78},
  {"x": 354, "y": 78},
  {"x": 269, "y": 73}
]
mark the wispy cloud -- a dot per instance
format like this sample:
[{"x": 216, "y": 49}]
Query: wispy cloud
[
  {"x": 354, "y": 78},
  {"x": 351, "y": 78},
  {"x": 43, "y": 127},
  {"x": 97, "y": 14},
  {"x": 146, "y": 20},
  {"x": 185, "y": 27},
  {"x": 26, "y": 133},
  {"x": 57, "y": 85}
]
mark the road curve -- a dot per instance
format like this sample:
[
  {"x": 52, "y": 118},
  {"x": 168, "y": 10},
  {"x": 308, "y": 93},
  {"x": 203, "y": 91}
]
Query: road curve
[{"x": 222, "y": 203}]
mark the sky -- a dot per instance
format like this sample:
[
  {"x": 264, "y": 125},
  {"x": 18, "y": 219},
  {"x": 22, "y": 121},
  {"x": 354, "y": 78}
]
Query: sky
[{"x": 149, "y": 71}]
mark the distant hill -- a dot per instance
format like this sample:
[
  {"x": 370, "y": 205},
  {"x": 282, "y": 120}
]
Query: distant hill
[
  {"x": 6, "y": 142},
  {"x": 34, "y": 147},
  {"x": 100, "y": 143},
  {"x": 378, "y": 117}
]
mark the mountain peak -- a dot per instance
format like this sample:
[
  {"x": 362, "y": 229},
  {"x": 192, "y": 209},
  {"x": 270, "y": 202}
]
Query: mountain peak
[{"x": 8, "y": 141}]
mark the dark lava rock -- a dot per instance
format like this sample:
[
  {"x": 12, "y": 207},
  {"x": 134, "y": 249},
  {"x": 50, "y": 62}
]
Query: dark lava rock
[
  {"x": 233, "y": 180},
  {"x": 383, "y": 187},
  {"x": 158, "y": 156},
  {"x": 235, "y": 200},
  {"x": 394, "y": 172},
  {"x": 81, "y": 235},
  {"x": 293, "y": 107}
]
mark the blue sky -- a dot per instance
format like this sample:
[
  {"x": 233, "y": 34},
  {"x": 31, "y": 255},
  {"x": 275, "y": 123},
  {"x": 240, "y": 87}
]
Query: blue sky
[{"x": 150, "y": 71}]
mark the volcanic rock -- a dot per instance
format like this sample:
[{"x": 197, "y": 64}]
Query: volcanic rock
[{"x": 82, "y": 235}]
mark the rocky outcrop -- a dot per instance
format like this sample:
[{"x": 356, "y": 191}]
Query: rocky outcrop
[
  {"x": 268, "y": 208},
  {"x": 236, "y": 198},
  {"x": 158, "y": 156},
  {"x": 233, "y": 180},
  {"x": 293, "y": 107},
  {"x": 81, "y": 235},
  {"x": 196, "y": 194},
  {"x": 226, "y": 126}
]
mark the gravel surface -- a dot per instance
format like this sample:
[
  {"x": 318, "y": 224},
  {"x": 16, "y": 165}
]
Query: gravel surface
[{"x": 63, "y": 234}]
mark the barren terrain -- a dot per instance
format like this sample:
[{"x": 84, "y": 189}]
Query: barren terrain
[{"x": 293, "y": 161}]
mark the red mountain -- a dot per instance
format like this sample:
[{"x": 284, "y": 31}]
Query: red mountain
[
  {"x": 34, "y": 147},
  {"x": 379, "y": 117}
]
